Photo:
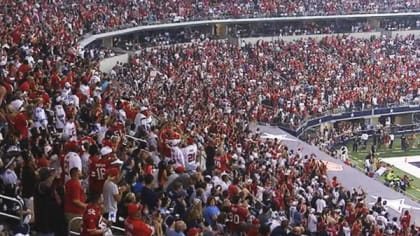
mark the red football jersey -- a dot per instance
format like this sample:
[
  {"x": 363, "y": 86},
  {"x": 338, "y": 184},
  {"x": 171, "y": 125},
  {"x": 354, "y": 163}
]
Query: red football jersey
[
  {"x": 222, "y": 163},
  {"x": 237, "y": 215},
  {"x": 136, "y": 227},
  {"x": 91, "y": 219},
  {"x": 97, "y": 174}
]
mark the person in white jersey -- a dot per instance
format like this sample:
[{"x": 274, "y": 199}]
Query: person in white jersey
[
  {"x": 190, "y": 154},
  {"x": 71, "y": 160},
  {"x": 70, "y": 131},
  {"x": 60, "y": 116},
  {"x": 40, "y": 117}
]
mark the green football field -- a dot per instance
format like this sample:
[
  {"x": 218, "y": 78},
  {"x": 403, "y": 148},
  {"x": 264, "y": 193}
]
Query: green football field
[{"x": 357, "y": 158}]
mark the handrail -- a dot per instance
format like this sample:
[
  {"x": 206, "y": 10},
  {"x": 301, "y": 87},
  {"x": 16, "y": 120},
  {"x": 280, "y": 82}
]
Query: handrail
[
  {"x": 381, "y": 111},
  {"x": 20, "y": 217},
  {"x": 87, "y": 40},
  {"x": 80, "y": 218}
]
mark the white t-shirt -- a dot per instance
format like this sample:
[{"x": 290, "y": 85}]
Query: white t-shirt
[
  {"x": 71, "y": 160},
  {"x": 142, "y": 120},
  {"x": 190, "y": 153},
  {"x": 177, "y": 156},
  {"x": 320, "y": 205},
  {"x": 9, "y": 177},
  {"x": 110, "y": 189},
  {"x": 312, "y": 223},
  {"x": 391, "y": 137},
  {"x": 69, "y": 131},
  {"x": 85, "y": 90},
  {"x": 60, "y": 117},
  {"x": 41, "y": 119},
  {"x": 347, "y": 231}
]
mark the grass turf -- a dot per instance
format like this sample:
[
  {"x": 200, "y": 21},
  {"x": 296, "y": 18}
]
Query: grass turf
[{"x": 358, "y": 158}]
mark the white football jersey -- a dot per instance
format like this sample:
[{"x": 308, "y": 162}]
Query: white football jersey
[
  {"x": 190, "y": 154},
  {"x": 177, "y": 156},
  {"x": 71, "y": 160}
]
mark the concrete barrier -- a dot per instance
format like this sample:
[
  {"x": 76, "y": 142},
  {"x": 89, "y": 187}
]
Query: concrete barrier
[
  {"x": 317, "y": 37},
  {"x": 106, "y": 64}
]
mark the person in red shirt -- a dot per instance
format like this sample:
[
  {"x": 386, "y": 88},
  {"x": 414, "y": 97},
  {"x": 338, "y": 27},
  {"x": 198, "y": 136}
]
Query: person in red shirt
[
  {"x": 92, "y": 221},
  {"x": 405, "y": 222},
  {"x": 222, "y": 162},
  {"x": 134, "y": 225},
  {"x": 75, "y": 198},
  {"x": 233, "y": 188},
  {"x": 237, "y": 216},
  {"x": 357, "y": 228},
  {"x": 97, "y": 169},
  {"x": 19, "y": 120},
  {"x": 194, "y": 232}
]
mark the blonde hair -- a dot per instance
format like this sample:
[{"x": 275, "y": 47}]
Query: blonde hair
[{"x": 196, "y": 211}]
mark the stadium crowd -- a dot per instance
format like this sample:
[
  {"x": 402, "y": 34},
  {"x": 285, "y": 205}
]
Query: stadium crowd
[
  {"x": 102, "y": 16},
  {"x": 164, "y": 142}
]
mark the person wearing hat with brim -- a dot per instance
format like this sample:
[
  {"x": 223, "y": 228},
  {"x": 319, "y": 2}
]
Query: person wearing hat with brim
[
  {"x": 134, "y": 225},
  {"x": 9, "y": 176},
  {"x": 98, "y": 167}
]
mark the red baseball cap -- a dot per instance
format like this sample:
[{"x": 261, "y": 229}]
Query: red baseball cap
[
  {"x": 180, "y": 169},
  {"x": 113, "y": 172},
  {"x": 133, "y": 209},
  {"x": 193, "y": 232}
]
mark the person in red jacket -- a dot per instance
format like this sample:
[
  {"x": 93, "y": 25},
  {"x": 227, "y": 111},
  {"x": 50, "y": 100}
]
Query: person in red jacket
[{"x": 134, "y": 225}]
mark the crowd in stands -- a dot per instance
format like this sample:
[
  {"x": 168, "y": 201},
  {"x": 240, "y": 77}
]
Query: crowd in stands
[
  {"x": 401, "y": 24},
  {"x": 102, "y": 16},
  {"x": 301, "y": 28},
  {"x": 164, "y": 142}
]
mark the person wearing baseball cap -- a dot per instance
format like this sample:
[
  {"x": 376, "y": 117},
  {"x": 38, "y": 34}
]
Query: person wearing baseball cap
[
  {"x": 134, "y": 225},
  {"x": 194, "y": 232},
  {"x": 112, "y": 194}
]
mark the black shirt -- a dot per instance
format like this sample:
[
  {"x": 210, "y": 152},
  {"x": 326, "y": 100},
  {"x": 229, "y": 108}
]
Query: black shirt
[
  {"x": 28, "y": 182},
  {"x": 149, "y": 198}
]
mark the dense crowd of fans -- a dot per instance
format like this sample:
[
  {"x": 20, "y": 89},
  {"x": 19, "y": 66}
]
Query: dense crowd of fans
[
  {"x": 101, "y": 16},
  {"x": 164, "y": 143}
]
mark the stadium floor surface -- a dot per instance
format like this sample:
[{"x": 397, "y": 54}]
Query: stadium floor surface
[{"x": 352, "y": 178}]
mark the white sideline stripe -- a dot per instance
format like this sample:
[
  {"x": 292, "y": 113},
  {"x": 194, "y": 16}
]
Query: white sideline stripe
[{"x": 400, "y": 163}]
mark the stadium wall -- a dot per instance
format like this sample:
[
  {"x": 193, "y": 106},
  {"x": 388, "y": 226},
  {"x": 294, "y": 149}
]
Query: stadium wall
[{"x": 317, "y": 37}]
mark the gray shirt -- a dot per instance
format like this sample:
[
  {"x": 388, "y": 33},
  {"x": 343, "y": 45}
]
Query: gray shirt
[{"x": 110, "y": 189}]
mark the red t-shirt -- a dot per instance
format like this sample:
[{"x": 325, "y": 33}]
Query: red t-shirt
[
  {"x": 405, "y": 221},
  {"x": 91, "y": 219},
  {"x": 20, "y": 123},
  {"x": 74, "y": 191},
  {"x": 136, "y": 227},
  {"x": 97, "y": 174},
  {"x": 237, "y": 216},
  {"x": 233, "y": 190},
  {"x": 222, "y": 163},
  {"x": 356, "y": 229}
]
